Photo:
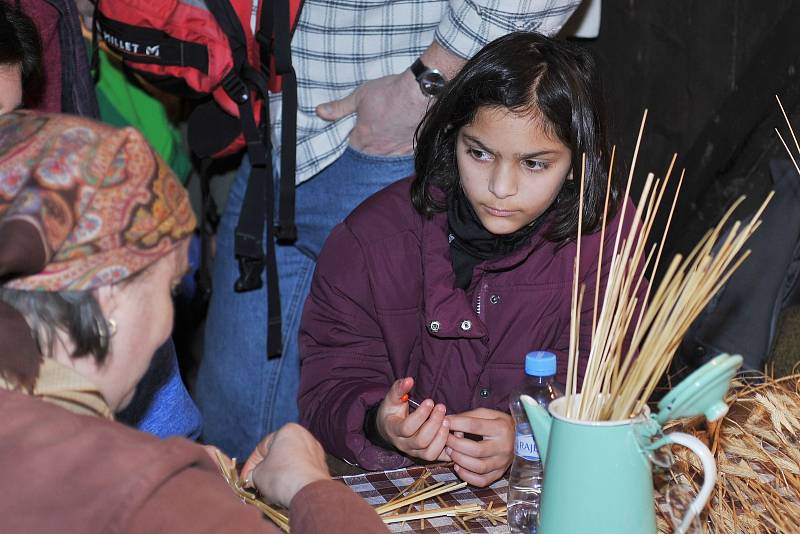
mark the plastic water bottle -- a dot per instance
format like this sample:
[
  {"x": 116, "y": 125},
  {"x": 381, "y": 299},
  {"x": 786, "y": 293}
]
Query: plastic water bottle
[{"x": 525, "y": 479}]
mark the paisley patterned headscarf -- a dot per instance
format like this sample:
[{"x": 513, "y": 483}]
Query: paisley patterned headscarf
[{"x": 82, "y": 205}]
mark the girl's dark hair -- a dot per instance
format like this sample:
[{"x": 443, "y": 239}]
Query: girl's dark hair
[
  {"x": 20, "y": 45},
  {"x": 526, "y": 73}
]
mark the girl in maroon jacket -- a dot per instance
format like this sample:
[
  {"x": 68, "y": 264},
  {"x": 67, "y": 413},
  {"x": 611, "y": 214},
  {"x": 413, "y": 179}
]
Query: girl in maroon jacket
[{"x": 438, "y": 285}]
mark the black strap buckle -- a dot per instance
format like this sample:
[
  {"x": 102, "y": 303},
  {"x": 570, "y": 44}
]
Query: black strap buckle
[
  {"x": 235, "y": 88},
  {"x": 249, "y": 274},
  {"x": 286, "y": 234}
]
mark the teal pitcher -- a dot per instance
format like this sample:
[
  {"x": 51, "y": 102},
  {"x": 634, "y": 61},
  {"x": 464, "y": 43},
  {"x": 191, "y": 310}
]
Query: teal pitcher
[{"x": 597, "y": 475}]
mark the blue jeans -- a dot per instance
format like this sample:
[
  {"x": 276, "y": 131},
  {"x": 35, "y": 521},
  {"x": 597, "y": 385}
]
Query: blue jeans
[{"x": 242, "y": 395}]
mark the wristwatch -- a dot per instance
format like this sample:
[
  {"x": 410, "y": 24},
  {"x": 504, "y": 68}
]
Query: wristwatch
[{"x": 431, "y": 82}]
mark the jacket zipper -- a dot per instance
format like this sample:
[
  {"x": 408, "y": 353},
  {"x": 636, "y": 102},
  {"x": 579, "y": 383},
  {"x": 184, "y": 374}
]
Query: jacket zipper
[{"x": 479, "y": 298}]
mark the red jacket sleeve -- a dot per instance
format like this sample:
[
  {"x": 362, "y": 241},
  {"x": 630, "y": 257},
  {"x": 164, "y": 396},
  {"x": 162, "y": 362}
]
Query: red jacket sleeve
[
  {"x": 198, "y": 501},
  {"x": 329, "y": 507}
]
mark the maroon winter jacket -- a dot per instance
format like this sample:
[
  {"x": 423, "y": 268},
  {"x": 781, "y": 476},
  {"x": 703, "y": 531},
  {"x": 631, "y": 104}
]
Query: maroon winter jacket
[{"x": 383, "y": 306}]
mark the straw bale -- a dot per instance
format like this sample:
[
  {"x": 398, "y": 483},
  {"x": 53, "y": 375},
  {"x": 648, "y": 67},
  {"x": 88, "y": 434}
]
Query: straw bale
[{"x": 757, "y": 448}]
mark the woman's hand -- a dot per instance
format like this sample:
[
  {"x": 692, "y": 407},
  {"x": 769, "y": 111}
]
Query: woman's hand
[
  {"x": 422, "y": 433},
  {"x": 285, "y": 462},
  {"x": 481, "y": 462}
]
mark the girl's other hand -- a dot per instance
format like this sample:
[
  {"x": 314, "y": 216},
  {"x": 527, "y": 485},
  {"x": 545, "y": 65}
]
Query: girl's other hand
[
  {"x": 481, "y": 462},
  {"x": 422, "y": 433}
]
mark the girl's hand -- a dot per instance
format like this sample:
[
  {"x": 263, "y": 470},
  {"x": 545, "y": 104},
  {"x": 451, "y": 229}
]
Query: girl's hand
[
  {"x": 422, "y": 433},
  {"x": 481, "y": 462}
]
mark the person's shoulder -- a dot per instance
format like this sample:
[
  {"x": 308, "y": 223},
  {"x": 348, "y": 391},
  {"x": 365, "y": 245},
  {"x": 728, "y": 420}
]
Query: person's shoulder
[
  {"x": 385, "y": 214},
  {"x": 110, "y": 437},
  {"x": 62, "y": 444}
]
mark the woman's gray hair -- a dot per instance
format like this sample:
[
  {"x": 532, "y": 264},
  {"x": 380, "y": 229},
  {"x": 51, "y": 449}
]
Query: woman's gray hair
[{"x": 75, "y": 312}]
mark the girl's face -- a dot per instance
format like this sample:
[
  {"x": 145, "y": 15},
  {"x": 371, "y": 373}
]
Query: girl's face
[{"x": 511, "y": 170}]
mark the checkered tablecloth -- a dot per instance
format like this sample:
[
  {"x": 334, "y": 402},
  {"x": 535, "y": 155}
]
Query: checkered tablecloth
[{"x": 380, "y": 487}]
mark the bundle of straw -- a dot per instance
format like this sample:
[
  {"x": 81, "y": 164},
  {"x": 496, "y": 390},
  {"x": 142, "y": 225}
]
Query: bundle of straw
[
  {"x": 756, "y": 447},
  {"x": 229, "y": 472},
  {"x": 619, "y": 381}
]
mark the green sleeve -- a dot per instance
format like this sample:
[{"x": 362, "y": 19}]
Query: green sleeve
[{"x": 123, "y": 103}]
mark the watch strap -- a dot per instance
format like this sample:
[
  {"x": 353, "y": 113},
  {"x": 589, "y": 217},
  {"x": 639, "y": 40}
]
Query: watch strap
[
  {"x": 418, "y": 68},
  {"x": 430, "y": 80}
]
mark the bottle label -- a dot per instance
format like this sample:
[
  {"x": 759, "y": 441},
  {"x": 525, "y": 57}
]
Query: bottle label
[{"x": 526, "y": 447}]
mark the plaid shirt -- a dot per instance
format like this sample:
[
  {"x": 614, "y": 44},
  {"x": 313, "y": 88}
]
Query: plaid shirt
[{"x": 340, "y": 44}]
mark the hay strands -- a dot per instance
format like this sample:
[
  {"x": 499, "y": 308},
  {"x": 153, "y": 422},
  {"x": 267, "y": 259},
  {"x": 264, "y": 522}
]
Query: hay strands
[
  {"x": 755, "y": 446},
  {"x": 235, "y": 482},
  {"x": 416, "y": 493},
  {"x": 618, "y": 381},
  {"x": 452, "y": 511},
  {"x": 420, "y": 495},
  {"x": 420, "y": 491},
  {"x": 491, "y": 513}
]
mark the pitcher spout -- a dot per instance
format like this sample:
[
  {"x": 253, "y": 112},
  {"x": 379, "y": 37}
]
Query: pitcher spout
[{"x": 541, "y": 422}]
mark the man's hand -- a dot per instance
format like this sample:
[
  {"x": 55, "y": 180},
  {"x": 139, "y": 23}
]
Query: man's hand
[
  {"x": 481, "y": 462},
  {"x": 285, "y": 462},
  {"x": 421, "y": 434},
  {"x": 390, "y": 108}
]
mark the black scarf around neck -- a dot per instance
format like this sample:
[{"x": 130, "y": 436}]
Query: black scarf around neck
[{"x": 471, "y": 243}]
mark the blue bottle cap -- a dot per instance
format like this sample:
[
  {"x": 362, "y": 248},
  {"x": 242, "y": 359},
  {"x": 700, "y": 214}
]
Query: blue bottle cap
[{"x": 540, "y": 363}]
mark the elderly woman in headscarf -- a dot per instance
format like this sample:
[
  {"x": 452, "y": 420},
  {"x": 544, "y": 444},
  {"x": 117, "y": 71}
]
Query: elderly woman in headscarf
[{"x": 93, "y": 236}]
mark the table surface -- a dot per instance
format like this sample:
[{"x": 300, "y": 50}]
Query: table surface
[{"x": 380, "y": 487}]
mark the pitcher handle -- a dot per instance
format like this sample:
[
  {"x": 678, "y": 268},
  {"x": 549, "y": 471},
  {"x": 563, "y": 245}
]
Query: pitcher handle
[{"x": 709, "y": 474}]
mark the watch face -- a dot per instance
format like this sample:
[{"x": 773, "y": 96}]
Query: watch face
[{"x": 431, "y": 82}]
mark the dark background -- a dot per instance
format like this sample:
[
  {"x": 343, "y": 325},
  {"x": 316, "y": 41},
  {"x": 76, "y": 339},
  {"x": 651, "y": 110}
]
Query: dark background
[{"x": 707, "y": 71}]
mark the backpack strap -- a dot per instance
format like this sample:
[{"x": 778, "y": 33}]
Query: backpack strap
[
  {"x": 94, "y": 62},
  {"x": 258, "y": 205},
  {"x": 287, "y": 231},
  {"x": 258, "y": 211},
  {"x": 139, "y": 44}
]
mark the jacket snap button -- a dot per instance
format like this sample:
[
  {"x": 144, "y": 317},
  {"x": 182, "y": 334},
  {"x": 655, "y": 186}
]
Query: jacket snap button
[
  {"x": 435, "y": 326},
  {"x": 494, "y": 299},
  {"x": 484, "y": 392},
  {"x": 466, "y": 325}
]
